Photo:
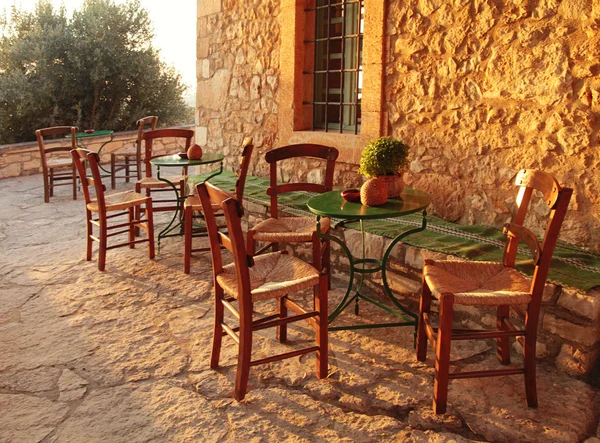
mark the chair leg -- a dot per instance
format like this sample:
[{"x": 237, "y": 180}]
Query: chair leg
[
  {"x": 131, "y": 217},
  {"x": 244, "y": 353},
  {"x": 250, "y": 243},
  {"x": 327, "y": 261},
  {"x": 503, "y": 344},
  {"x": 88, "y": 235},
  {"x": 150, "y": 228},
  {"x": 322, "y": 326},
  {"x": 138, "y": 209},
  {"x": 442, "y": 354},
  {"x": 51, "y": 185},
  {"x": 127, "y": 169},
  {"x": 424, "y": 308},
  {"x": 316, "y": 252},
  {"x": 217, "y": 329},
  {"x": 187, "y": 239},
  {"x": 113, "y": 172},
  {"x": 529, "y": 361},
  {"x": 74, "y": 174},
  {"x": 282, "y": 311},
  {"x": 103, "y": 245},
  {"x": 46, "y": 188}
]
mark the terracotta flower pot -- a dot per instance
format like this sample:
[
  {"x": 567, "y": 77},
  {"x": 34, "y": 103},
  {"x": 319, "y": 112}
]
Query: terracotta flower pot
[{"x": 395, "y": 184}]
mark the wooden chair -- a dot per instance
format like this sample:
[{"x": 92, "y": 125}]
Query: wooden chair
[
  {"x": 51, "y": 163},
  {"x": 151, "y": 184},
  {"x": 295, "y": 229},
  {"x": 497, "y": 285},
  {"x": 130, "y": 159},
  {"x": 249, "y": 280},
  {"x": 108, "y": 207},
  {"x": 193, "y": 204}
]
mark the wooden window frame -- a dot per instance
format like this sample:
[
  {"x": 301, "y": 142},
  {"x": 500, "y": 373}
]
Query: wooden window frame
[{"x": 294, "y": 119}]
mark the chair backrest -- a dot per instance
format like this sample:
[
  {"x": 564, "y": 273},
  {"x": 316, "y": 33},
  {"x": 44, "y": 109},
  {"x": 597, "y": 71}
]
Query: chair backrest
[
  {"x": 144, "y": 124},
  {"x": 557, "y": 198},
  {"x": 54, "y": 132},
  {"x": 150, "y": 136},
  {"x": 295, "y": 151},
  {"x": 233, "y": 241},
  {"x": 80, "y": 157},
  {"x": 242, "y": 172}
]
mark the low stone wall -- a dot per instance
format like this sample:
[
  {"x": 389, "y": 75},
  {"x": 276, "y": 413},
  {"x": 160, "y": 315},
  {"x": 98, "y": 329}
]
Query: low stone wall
[
  {"x": 569, "y": 332},
  {"x": 24, "y": 158}
]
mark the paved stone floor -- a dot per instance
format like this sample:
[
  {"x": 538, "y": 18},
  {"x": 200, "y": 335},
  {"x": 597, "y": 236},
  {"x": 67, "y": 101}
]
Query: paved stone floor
[{"x": 123, "y": 356}]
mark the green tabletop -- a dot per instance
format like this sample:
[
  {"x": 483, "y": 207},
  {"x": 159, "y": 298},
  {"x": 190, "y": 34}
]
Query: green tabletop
[
  {"x": 176, "y": 160},
  {"x": 331, "y": 204},
  {"x": 92, "y": 134}
]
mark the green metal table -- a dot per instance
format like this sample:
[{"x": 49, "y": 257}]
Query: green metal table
[
  {"x": 331, "y": 204},
  {"x": 83, "y": 135},
  {"x": 176, "y": 161}
]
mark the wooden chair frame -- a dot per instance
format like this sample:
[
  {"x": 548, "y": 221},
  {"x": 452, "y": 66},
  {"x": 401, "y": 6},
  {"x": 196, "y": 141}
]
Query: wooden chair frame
[
  {"x": 167, "y": 204},
  {"x": 48, "y": 171},
  {"x": 441, "y": 337},
  {"x": 242, "y": 335},
  {"x": 320, "y": 247},
  {"x": 122, "y": 204},
  {"x": 131, "y": 162},
  {"x": 190, "y": 206}
]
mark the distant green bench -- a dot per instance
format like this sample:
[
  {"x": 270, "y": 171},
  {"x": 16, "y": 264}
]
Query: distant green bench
[{"x": 571, "y": 266}]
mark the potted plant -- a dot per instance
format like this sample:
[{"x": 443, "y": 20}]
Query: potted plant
[{"x": 384, "y": 158}]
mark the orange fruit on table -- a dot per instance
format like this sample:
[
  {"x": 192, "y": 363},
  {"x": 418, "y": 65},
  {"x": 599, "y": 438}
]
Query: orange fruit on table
[
  {"x": 194, "y": 152},
  {"x": 374, "y": 192}
]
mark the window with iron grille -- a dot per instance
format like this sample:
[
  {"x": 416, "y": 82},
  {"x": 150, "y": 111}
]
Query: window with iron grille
[{"x": 337, "y": 71}]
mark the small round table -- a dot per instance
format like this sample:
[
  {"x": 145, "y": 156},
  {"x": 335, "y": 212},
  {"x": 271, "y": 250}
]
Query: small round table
[
  {"x": 331, "y": 204},
  {"x": 100, "y": 133},
  {"x": 176, "y": 161}
]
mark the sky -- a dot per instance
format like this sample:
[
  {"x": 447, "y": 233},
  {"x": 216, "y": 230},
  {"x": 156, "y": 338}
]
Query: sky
[{"x": 174, "y": 28}]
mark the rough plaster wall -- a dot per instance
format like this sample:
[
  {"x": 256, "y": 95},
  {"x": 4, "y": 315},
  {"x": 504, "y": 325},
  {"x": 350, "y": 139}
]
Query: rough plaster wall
[
  {"x": 483, "y": 88},
  {"x": 238, "y": 62}
]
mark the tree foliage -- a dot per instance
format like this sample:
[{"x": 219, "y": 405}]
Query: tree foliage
[{"x": 97, "y": 69}]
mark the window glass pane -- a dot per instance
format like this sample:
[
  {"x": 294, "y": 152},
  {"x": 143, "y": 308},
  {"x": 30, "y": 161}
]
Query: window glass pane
[
  {"x": 351, "y": 18},
  {"x": 321, "y": 23},
  {"x": 350, "y": 95},
  {"x": 320, "y": 88},
  {"x": 350, "y": 54},
  {"x": 321, "y": 56},
  {"x": 319, "y": 116}
]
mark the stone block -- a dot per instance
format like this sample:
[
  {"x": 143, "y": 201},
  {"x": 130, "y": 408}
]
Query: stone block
[
  {"x": 208, "y": 7},
  {"x": 584, "y": 333},
  {"x": 574, "y": 361},
  {"x": 12, "y": 170},
  {"x": 587, "y": 306}
]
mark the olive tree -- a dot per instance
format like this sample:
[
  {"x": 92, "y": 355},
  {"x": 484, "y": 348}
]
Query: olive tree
[{"x": 97, "y": 69}]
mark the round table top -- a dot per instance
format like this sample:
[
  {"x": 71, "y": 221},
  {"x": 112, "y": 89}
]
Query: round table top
[
  {"x": 331, "y": 204},
  {"x": 97, "y": 133},
  {"x": 176, "y": 160}
]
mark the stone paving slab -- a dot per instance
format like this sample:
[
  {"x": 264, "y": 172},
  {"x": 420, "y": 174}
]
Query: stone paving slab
[{"x": 123, "y": 356}]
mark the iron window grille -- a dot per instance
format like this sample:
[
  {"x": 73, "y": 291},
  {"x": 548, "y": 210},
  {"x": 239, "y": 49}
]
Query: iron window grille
[{"x": 337, "y": 70}]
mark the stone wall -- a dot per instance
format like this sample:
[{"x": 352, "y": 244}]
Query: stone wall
[
  {"x": 237, "y": 70},
  {"x": 481, "y": 90},
  {"x": 24, "y": 158}
]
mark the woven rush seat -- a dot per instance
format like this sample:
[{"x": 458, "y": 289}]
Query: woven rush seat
[
  {"x": 121, "y": 200},
  {"x": 477, "y": 283},
  {"x": 273, "y": 275},
  {"x": 288, "y": 229},
  {"x": 153, "y": 182},
  {"x": 193, "y": 202}
]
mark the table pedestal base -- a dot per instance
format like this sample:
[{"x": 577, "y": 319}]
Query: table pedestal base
[{"x": 364, "y": 266}]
